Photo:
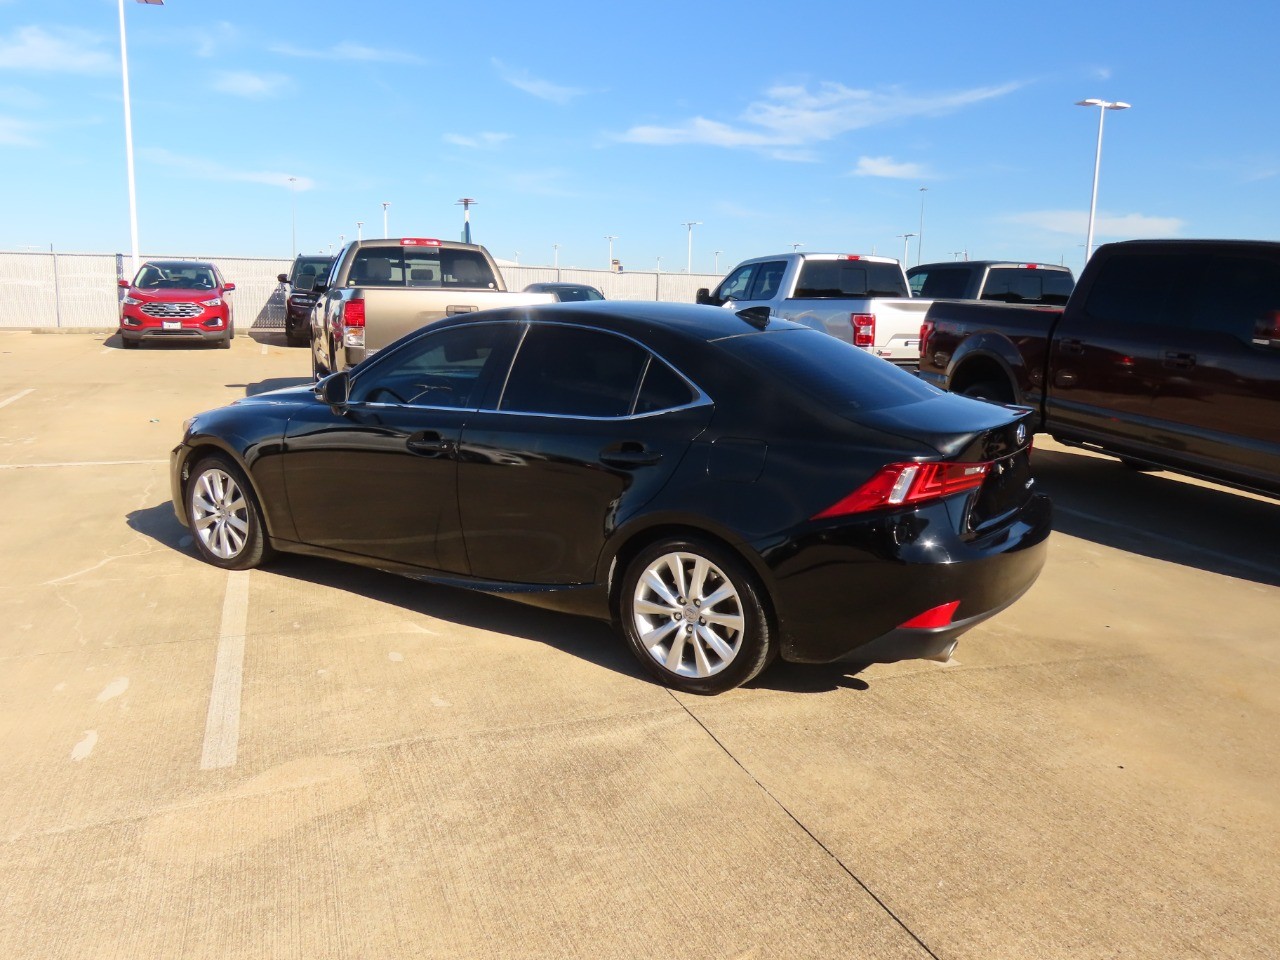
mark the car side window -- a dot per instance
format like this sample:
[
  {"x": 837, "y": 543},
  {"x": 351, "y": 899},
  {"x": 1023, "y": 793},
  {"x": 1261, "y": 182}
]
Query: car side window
[
  {"x": 1237, "y": 295},
  {"x": 662, "y": 389},
  {"x": 767, "y": 280},
  {"x": 570, "y": 371},
  {"x": 1141, "y": 288},
  {"x": 736, "y": 284},
  {"x": 442, "y": 369},
  {"x": 942, "y": 283}
]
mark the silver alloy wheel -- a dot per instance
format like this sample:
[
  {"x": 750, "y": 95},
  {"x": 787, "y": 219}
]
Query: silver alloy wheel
[
  {"x": 688, "y": 615},
  {"x": 220, "y": 513}
]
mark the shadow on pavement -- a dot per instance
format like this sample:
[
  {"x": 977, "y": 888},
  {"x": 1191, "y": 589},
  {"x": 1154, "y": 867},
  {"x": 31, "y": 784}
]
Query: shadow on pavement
[
  {"x": 272, "y": 383},
  {"x": 1161, "y": 515}
]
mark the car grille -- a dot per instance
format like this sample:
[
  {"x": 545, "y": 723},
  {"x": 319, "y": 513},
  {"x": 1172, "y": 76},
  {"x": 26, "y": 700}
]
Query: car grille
[{"x": 172, "y": 311}]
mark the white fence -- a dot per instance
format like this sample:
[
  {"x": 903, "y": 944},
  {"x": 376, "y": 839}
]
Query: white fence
[{"x": 79, "y": 291}]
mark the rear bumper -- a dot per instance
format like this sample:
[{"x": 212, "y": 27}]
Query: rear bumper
[{"x": 844, "y": 592}]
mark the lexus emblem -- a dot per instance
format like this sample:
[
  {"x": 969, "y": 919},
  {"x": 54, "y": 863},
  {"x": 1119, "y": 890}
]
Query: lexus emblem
[{"x": 1021, "y": 434}]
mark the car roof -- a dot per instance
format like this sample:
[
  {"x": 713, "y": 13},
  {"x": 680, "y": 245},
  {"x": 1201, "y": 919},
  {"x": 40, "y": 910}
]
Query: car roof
[
  {"x": 636, "y": 318},
  {"x": 985, "y": 263}
]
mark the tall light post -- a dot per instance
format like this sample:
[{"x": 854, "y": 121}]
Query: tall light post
[
  {"x": 359, "y": 230},
  {"x": 717, "y": 256},
  {"x": 293, "y": 197},
  {"x": 906, "y": 242},
  {"x": 611, "y": 239},
  {"x": 920, "y": 238},
  {"x": 1103, "y": 106},
  {"x": 128, "y": 135},
  {"x": 796, "y": 246},
  {"x": 556, "y": 248},
  {"x": 466, "y": 203},
  {"x": 385, "y": 204},
  {"x": 689, "y": 225}
]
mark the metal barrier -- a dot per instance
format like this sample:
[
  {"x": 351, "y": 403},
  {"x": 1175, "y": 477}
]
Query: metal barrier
[{"x": 79, "y": 291}]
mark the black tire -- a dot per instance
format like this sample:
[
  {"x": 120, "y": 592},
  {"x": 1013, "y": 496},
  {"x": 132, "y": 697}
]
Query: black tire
[
  {"x": 225, "y": 342},
  {"x": 990, "y": 391},
  {"x": 127, "y": 344},
  {"x": 295, "y": 336},
  {"x": 224, "y": 516},
  {"x": 681, "y": 640}
]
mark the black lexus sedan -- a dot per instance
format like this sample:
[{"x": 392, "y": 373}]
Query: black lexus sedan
[{"x": 725, "y": 487}]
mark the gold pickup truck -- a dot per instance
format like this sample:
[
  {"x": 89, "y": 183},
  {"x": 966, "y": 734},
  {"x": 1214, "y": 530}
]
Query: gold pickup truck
[{"x": 379, "y": 290}]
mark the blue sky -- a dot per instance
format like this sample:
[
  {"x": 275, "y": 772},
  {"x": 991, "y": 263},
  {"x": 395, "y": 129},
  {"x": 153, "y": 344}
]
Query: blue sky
[{"x": 771, "y": 124}]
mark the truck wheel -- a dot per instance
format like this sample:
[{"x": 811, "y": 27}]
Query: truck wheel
[{"x": 988, "y": 390}]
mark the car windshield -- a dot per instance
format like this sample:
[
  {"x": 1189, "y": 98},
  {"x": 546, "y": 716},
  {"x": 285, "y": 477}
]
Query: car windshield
[
  {"x": 420, "y": 266},
  {"x": 576, "y": 293},
  {"x": 838, "y": 375},
  {"x": 154, "y": 276},
  {"x": 307, "y": 272}
]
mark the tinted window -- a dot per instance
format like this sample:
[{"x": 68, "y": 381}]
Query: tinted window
[
  {"x": 1237, "y": 295},
  {"x": 736, "y": 284},
  {"x": 438, "y": 370},
  {"x": 825, "y": 279},
  {"x": 419, "y": 267},
  {"x": 837, "y": 374},
  {"x": 574, "y": 372},
  {"x": 662, "y": 389},
  {"x": 1023, "y": 285},
  {"x": 767, "y": 280},
  {"x": 1140, "y": 288},
  {"x": 943, "y": 283}
]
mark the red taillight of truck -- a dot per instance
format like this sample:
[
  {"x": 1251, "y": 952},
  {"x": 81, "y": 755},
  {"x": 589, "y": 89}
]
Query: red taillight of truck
[{"x": 864, "y": 329}]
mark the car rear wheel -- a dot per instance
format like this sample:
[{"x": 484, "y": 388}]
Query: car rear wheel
[
  {"x": 224, "y": 516},
  {"x": 692, "y": 614},
  {"x": 990, "y": 391}
]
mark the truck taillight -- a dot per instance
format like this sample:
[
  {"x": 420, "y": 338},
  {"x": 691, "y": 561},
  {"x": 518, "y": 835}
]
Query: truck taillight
[
  {"x": 926, "y": 331},
  {"x": 864, "y": 329},
  {"x": 353, "y": 323},
  {"x": 908, "y": 484}
]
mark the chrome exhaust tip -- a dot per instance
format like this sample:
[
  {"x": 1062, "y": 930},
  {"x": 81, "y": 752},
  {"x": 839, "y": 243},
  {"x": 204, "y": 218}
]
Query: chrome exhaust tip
[{"x": 944, "y": 655}]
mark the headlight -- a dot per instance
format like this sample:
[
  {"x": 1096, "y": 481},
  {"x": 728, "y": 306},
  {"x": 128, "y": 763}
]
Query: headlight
[
  {"x": 132, "y": 300},
  {"x": 215, "y": 302}
]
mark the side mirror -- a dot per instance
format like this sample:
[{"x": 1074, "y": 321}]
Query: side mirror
[
  {"x": 228, "y": 286},
  {"x": 703, "y": 296},
  {"x": 282, "y": 277},
  {"x": 123, "y": 283},
  {"x": 335, "y": 389}
]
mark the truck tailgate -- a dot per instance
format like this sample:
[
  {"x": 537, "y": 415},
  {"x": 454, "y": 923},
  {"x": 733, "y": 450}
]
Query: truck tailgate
[
  {"x": 402, "y": 310},
  {"x": 898, "y": 323}
]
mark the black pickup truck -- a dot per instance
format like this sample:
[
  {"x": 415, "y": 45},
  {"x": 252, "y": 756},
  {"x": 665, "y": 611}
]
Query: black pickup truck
[{"x": 1167, "y": 354}]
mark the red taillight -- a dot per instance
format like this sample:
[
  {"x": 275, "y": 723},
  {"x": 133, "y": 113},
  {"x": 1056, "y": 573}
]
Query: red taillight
[
  {"x": 907, "y": 484},
  {"x": 353, "y": 314},
  {"x": 864, "y": 329},
  {"x": 940, "y": 616},
  {"x": 418, "y": 242},
  {"x": 926, "y": 331}
]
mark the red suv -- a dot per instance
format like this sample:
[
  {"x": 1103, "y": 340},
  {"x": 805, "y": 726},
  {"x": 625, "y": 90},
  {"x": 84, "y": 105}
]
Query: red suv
[{"x": 178, "y": 299}]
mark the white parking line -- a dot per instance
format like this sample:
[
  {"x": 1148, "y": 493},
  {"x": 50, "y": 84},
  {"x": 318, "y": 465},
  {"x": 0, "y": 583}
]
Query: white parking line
[
  {"x": 76, "y": 463},
  {"x": 222, "y": 725},
  {"x": 17, "y": 396}
]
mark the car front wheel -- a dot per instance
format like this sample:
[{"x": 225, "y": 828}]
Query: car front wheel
[
  {"x": 693, "y": 615},
  {"x": 224, "y": 516}
]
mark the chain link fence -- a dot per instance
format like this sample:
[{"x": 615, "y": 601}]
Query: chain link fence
[{"x": 79, "y": 290}]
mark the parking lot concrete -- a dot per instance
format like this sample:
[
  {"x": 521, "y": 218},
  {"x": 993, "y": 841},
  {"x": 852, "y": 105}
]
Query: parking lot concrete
[{"x": 312, "y": 760}]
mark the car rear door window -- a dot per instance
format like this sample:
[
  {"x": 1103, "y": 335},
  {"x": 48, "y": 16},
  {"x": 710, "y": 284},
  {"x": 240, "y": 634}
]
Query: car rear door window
[
  {"x": 570, "y": 371},
  {"x": 940, "y": 283}
]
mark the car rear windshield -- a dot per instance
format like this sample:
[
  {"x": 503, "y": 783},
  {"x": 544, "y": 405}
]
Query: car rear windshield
[
  {"x": 828, "y": 279},
  {"x": 838, "y": 375},
  {"x": 420, "y": 267},
  {"x": 1023, "y": 285}
]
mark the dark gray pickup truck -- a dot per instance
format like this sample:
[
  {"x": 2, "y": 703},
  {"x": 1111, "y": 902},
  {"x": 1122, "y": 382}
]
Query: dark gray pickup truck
[{"x": 1167, "y": 354}]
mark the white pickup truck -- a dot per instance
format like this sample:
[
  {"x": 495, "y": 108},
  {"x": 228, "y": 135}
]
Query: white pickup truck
[
  {"x": 379, "y": 290},
  {"x": 863, "y": 300}
]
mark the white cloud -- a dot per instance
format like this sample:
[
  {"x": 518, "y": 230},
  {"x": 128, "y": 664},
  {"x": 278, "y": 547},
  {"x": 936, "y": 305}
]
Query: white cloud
[
  {"x": 201, "y": 169},
  {"x": 480, "y": 141},
  {"x": 888, "y": 167},
  {"x": 255, "y": 86},
  {"x": 16, "y": 133},
  {"x": 795, "y": 116},
  {"x": 347, "y": 51},
  {"x": 61, "y": 50},
  {"x": 534, "y": 86},
  {"x": 1076, "y": 222}
]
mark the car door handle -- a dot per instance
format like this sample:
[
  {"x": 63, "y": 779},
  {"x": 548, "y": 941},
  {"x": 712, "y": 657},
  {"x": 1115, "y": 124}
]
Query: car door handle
[
  {"x": 428, "y": 443},
  {"x": 1071, "y": 347},
  {"x": 1179, "y": 361},
  {"x": 629, "y": 454}
]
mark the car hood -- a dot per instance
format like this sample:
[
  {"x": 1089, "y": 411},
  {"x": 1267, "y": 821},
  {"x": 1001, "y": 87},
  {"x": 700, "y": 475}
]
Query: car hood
[
  {"x": 957, "y": 427},
  {"x": 304, "y": 393},
  {"x": 174, "y": 296}
]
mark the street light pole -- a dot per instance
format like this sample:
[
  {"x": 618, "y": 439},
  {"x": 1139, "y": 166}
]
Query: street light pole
[
  {"x": 906, "y": 242},
  {"x": 920, "y": 238},
  {"x": 690, "y": 224},
  {"x": 1103, "y": 106},
  {"x": 385, "y": 204},
  {"x": 611, "y": 239},
  {"x": 717, "y": 255},
  {"x": 293, "y": 197},
  {"x": 359, "y": 230},
  {"x": 128, "y": 136}
]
